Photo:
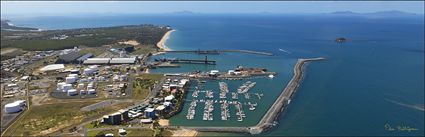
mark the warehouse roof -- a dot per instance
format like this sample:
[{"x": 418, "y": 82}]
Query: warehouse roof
[
  {"x": 84, "y": 57},
  {"x": 97, "y": 61},
  {"x": 52, "y": 67},
  {"x": 123, "y": 60},
  {"x": 70, "y": 56}
]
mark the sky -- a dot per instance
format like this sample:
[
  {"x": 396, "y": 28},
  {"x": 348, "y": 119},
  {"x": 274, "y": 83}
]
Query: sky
[{"x": 39, "y": 8}]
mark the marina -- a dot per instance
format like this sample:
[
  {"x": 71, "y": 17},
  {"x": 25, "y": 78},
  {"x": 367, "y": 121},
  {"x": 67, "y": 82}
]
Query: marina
[
  {"x": 195, "y": 94},
  {"x": 240, "y": 113},
  {"x": 247, "y": 96},
  {"x": 225, "y": 113},
  {"x": 257, "y": 78},
  {"x": 209, "y": 94},
  {"x": 229, "y": 105},
  {"x": 223, "y": 90},
  {"x": 252, "y": 106},
  {"x": 208, "y": 109},
  {"x": 269, "y": 118},
  {"x": 191, "y": 111},
  {"x": 246, "y": 87},
  {"x": 234, "y": 95}
]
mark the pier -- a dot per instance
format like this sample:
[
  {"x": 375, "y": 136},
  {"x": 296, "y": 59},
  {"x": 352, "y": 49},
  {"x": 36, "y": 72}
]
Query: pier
[
  {"x": 188, "y": 61},
  {"x": 222, "y": 51},
  {"x": 269, "y": 119}
]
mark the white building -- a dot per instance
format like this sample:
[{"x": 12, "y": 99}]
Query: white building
[
  {"x": 52, "y": 67},
  {"x": 213, "y": 72},
  {"x": 98, "y": 61},
  {"x": 15, "y": 106},
  {"x": 70, "y": 80},
  {"x": 122, "y": 61},
  {"x": 72, "y": 92}
]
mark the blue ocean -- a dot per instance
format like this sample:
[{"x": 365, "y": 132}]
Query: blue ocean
[{"x": 372, "y": 81}]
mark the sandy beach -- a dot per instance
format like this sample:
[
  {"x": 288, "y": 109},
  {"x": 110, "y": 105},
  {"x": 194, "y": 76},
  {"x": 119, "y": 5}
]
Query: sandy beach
[
  {"x": 163, "y": 122},
  {"x": 130, "y": 42},
  {"x": 161, "y": 44}
]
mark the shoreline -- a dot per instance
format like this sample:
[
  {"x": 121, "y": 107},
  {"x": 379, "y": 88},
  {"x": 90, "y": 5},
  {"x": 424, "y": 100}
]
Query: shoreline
[{"x": 161, "y": 44}]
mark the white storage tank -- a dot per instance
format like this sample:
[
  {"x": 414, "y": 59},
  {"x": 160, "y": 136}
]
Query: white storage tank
[
  {"x": 83, "y": 80},
  {"x": 115, "y": 78},
  {"x": 91, "y": 91},
  {"x": 123, "y": 77},
  {"x": 60, "y": 85},
  {"x": 73, "y": 75},
  {"x": 70, "y": 80},
  {"x": 75, "y": 71},
  {"x": 90, "y": 86},
  {"x": 66, "y": 87},
  {"x": 12, "y": 107},
  {"x": 87, "y": 71},
  {"x": 81, "y": 85},
  {"x": 72, "y": 92},
  {"x": 21, "y": 102},
  {"x": 100, "y": 78},
  {"x": 94, "y": 67}
]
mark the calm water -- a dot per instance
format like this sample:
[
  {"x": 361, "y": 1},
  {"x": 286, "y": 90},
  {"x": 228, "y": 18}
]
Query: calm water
[{"x": 374, "y": 79}]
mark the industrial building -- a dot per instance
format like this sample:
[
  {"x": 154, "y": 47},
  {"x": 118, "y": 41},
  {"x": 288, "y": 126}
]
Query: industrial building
[
  {"x": 72, "y": 92},
  {"x": 90, "y": 70},
  {"x": 122, "y": 61},
  {"x": 116, "y": 118},
  {"x": 69, "y": 58},
  {"x": 106, "y": 61},
  {"x": 97, "y": 61},
  {"x": 150, "y": 113},
  {"x": 52, "y": 67},
  {"x": 84, "y": 57},
  {"x": 15, "y": 106},
  {"x": 124, "y": 114},
  {"x": 129, "y": 48}
]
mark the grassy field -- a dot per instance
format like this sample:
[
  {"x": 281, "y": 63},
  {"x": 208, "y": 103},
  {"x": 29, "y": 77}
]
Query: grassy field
[
  {"x": 143, "y": 83},
  {"x": 145, "y": 49},
  {"x": 48, "y": 118},
  {"x": 90, "y": 37},
  {"x": 94, "y": 51},
  {"x": 7, "y": 53},
  {"x": 166, "y": 133},
  {"x": 130, "y": 132}
]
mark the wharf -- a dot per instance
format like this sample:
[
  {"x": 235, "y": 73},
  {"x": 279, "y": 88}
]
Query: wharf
[
  {"x": 194, "y": 61},
  {"x": 222, "y": 51},
  {"x": 222, "y": 76},
  {"x": 188, "y": 61}
]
